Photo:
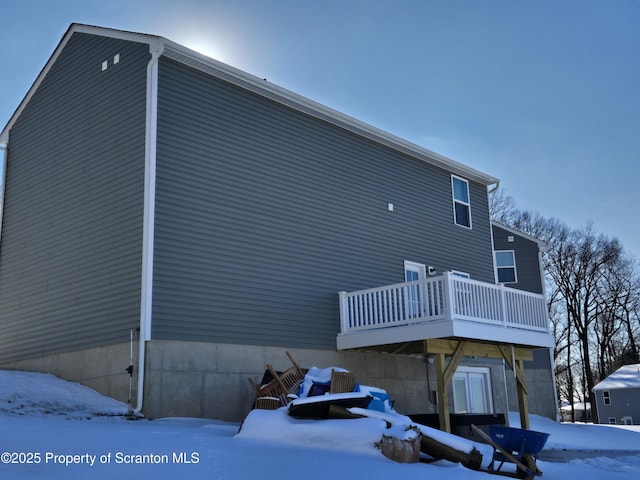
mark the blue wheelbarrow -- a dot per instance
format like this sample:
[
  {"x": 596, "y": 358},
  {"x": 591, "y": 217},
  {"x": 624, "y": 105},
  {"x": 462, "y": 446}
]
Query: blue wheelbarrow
[{"x": 514, "y": 445}]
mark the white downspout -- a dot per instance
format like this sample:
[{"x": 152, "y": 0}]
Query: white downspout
[{"x": 146, "y": 289}]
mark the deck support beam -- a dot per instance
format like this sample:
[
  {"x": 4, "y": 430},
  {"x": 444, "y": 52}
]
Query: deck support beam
[
  {"x": 457, "y": 349},
  {"x": 517, "y": 365}
]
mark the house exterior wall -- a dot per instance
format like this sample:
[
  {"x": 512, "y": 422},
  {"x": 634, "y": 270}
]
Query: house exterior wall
[
  {"x": 263, "y": 214},
  {"x": 70, "y": 253},
  {"x": 526, "y": 256},
  {"x": 625, "y": 402},
  {"x": 539, "y": 372}
]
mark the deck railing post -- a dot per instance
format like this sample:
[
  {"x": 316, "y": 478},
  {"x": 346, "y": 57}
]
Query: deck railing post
[
  {"x": 448, "y": 295},
  {"x": 344, "y": 312},
  {"x": 503, "y": 304}
]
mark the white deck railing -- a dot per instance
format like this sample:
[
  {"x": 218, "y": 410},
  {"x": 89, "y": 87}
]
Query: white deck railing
[{"x": 445, "y": 297}]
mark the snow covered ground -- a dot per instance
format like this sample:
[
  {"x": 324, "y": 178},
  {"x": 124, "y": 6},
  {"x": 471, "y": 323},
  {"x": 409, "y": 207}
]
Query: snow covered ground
[{"x": 54, "y": 429}]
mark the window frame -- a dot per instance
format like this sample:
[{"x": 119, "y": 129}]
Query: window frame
[
  {"x": 515, "y": 267},
  {"x": 465, "y": 372},
  {"x": 465, "y": 203},
  {"x": 414, "y": 301},
  {"x": 606, "y": 397}
]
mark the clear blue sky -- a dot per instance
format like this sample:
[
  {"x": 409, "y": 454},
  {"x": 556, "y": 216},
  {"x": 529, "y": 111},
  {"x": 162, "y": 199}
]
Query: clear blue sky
[{"x": 543, "y": 94}]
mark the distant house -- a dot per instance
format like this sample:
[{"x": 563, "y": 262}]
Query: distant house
[
  {"x": 221, "y": 220},
  {"x": 581, "y": 412},
  {"x": 618, "y": 397}
]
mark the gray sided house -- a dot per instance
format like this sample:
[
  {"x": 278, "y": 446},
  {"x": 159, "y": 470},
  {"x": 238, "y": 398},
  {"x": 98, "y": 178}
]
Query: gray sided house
[
  {"x": 518, "y": 262},
  {"x": 618, "y": 397},
  {"x": 220, "y": 220}
]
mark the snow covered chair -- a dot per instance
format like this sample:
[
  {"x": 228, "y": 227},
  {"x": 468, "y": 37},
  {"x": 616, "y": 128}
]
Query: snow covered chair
[{"x": 342, "y": 382}]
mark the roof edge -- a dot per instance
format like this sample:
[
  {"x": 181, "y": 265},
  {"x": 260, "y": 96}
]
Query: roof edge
[
  {"x": 544, "y": 246},
  {"x": 151, "y": 40},
  {"x": 291, "y": 99},
  {"x": 262, "y": 87}
]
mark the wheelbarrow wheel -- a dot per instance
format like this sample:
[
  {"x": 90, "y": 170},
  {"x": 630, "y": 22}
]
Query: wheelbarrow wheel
[{"x": 529, "y": 462}]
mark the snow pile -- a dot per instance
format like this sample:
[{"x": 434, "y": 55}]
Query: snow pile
[
  {"x": 276, "y": 426},
  {"x": 627, "y": 376},
  {"x": 582, "y": 436},
  {"x": 270, "y": 443},
  {"x": 28, "y": 393}
]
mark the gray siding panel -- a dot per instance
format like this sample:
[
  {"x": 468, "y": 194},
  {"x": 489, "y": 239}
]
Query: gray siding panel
[
  {"x": 527, "y": 260},
  {"x": 263, "y": 214},
  {"x": 624, "y": 403},
  {"x": 70, "y": 254}
]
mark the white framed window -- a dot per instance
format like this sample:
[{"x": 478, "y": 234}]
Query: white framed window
[
  {"x": 627, "y": 420},
  {"x": 606, "y": 397},
  {"x": 461, "y": 201},
  {"x": 612, "y": 421},
  {"x": 506, "y": 266},
  {"x": 472, "y": 390}
]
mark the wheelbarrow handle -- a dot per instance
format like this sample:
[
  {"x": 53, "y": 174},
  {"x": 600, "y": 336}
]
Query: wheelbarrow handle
[{"x": 508, "y": 455}]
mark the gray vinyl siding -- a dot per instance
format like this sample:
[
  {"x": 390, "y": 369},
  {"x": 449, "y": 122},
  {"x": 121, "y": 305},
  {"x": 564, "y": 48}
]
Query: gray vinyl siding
[
  {"x": 527, "y": 260},
  {"x": 625, "y": 402},
  {"x": 541, "y": 360},
  {"x": 263, "y": 214},
  {"x": 70, "y": 253}
]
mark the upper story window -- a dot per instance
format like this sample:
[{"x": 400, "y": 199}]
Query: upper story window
[
  {"x": 506, "y": 266},
  {"x": 606, "y": 396},
  {"x": 461, "y": 202}
]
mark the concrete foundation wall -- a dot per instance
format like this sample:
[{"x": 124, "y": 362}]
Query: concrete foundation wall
[
  {"x": 210, "y": 380},
  {"x": 102, "y": 369},
  {"x": 541, "y": 394}
]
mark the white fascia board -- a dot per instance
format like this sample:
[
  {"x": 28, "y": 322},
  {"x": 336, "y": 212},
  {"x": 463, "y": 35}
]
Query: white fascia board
[
  {"x": 445, "y": 329},
  {"x": 500, "y": 334},
  {"x": 389, "y": 335}
]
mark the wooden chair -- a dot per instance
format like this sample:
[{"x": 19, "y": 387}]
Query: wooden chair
[
  {"x": 281, "y": 384},
  {"x": 290, "y": 379},
  {"x": 267, "y": 403},
  {"x": 342, "y": 382}
]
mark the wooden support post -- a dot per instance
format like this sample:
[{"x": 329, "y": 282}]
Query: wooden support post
[
  {"x": 521, "y": 384},
  {"x": 522, "y": 395},
  {"x": 443, "y": 394},
  {"x": 444, "y": 375},
  {"x": 513, "y": 355}
]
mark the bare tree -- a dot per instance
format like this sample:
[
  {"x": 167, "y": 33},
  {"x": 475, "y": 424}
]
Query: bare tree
[
  {"x": 502, "y": 207},
  {"x": 593, "y": 293}
]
